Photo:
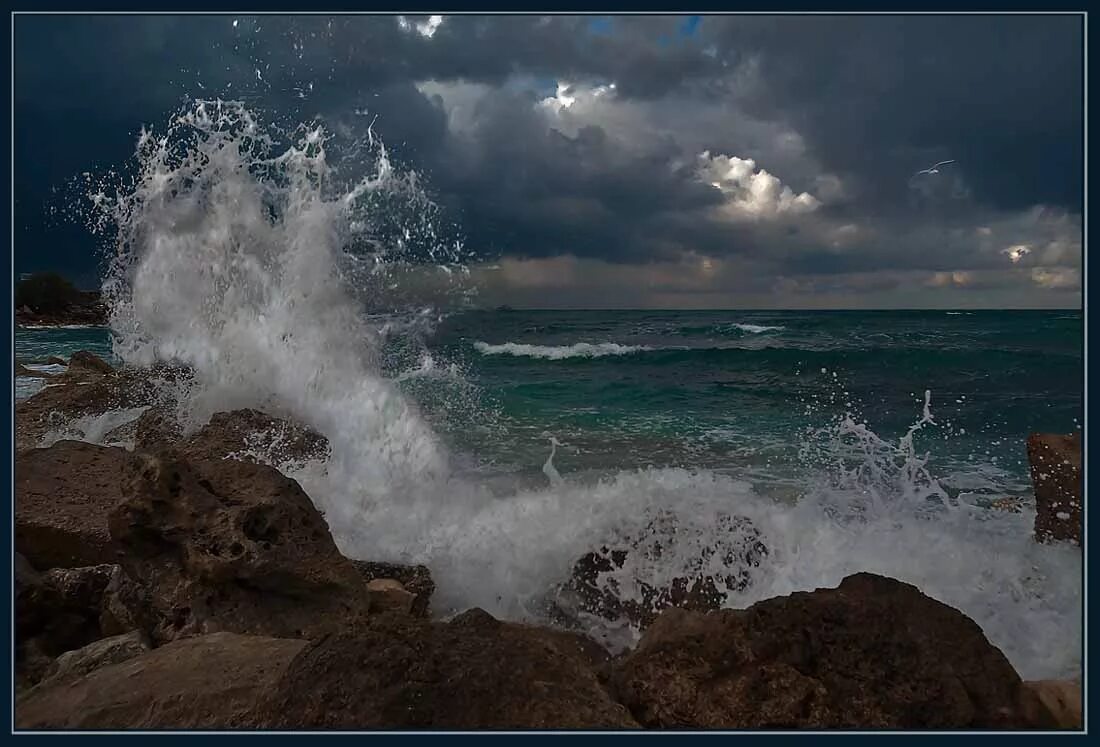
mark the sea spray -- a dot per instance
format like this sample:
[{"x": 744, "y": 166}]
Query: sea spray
[{"x": 251, "y": 258}]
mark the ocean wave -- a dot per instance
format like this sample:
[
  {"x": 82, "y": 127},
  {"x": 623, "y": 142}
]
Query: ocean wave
[
  {"x": 559, "y": 352},
  {"x": 757, "y": 328},
  {"x": 61, "y": 326}
]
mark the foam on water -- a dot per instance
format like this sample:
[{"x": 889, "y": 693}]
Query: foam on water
[
  {"x": 757, "y": 328},
  {"x": 558, "y": 352},
  {"x": 241, "y": 253}
]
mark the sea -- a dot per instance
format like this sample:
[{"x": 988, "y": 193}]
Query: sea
[{"x": 498, "y": 447}]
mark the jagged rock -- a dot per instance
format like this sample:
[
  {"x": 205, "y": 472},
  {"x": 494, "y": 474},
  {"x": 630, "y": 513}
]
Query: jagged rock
[
  {"x": 1056, "y": 474},
  {"x": 234, "y": 546},
  {"x": 63, "y": 495},
  {"x": 105, "y": 651},
  {"x": 872, "y": 653},
  {"x": 211, "y": 681},
  {"x": 85, "y": 365},
  {"x": 605, "y": 582},
  {"x": 416, "y": 579},
  {"x": 54, "y": 405},
  {"x": 1054, "y": 704},
  {"x": 388, "y": 595},
  {"x": 474, "y": 672},
  {"x": 66, "y": 608},
  {"x": 240, "y": 431}
]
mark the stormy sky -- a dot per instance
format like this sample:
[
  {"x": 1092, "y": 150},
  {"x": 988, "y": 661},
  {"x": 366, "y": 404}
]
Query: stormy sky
[{"x": 629, "y": 161}]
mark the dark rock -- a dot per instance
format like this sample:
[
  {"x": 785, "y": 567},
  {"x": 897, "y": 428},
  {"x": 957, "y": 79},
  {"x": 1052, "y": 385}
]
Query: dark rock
[
  {"x": 53, "y": 360},
  {"x": 66, "y": 608},
  {"x": 602, "y": 582},
  {"x": 206, "y": 682},
  {"x": 398, "y": 672},
  {"x": 1056, "y": 474},
  {"x": 103, "y": 652},
  {"x": 872, "y": 653},
  {"x": 234, "y": 546},
  {"x": 63, "y": 496},
  {"x": 416, "y": 579}
]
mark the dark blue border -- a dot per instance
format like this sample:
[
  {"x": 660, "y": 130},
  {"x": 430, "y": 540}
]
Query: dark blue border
[{"x": 699, "y": 6}]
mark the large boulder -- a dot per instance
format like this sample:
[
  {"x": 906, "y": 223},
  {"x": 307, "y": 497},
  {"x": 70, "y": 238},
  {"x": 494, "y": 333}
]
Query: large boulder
[
  {"x": 234, "y": 546},
  {"x": 63, "y": 496},
  {"x": 872, "y": 653},
  {"x": 618, "y": 581},
  {"x": 1055, "y": 461},
  {"x": 474, "y": 672},
  {"x": 207, "y": 682}
]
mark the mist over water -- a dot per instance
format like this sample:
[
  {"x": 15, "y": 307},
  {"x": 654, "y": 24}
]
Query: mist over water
[{"x": 302, "y": 275}]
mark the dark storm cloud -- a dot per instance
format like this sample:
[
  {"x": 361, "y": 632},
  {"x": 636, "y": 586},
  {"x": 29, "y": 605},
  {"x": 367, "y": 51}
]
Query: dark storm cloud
[
  {"x": 887, "y": 95},
  {"x": 528, "y": 148}
]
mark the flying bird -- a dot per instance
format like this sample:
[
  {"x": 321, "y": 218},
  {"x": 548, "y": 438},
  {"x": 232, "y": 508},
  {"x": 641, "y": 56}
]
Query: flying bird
[{"x": 934, "y": 169}]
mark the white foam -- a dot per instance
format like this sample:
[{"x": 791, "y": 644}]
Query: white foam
[
  {"x": 757, "y": 328},
  {"x": 48, "y": 368},
  {"x": 559, "y": 352},
  {"x": 60, "y": 326}
]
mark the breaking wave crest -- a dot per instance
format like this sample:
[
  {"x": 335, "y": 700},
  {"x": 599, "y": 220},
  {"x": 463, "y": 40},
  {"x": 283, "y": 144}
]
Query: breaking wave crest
[{"x": 559, "y": 352}]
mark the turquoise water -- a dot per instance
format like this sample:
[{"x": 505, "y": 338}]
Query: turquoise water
[
  {"x": 743, "y": 391},
  {"x": 740, "y": 392}
]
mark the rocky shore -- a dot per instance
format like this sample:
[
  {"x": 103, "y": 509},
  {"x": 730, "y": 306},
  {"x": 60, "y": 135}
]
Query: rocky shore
[
  {"x": 168, "y": 586},
  {"x": 86, "y": 309}
]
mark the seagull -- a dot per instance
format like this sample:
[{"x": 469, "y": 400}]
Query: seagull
[{"x": 934, "y": 169}]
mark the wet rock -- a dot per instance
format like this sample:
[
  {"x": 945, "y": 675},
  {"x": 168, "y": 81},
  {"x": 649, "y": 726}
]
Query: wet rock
[
  {"x": 211, "y": 681},
  {"x": 471, "y": 673},
  {"x": 611, "y": 582},
  {"x": 416, "y": 579},
  {"x": 63, "y": 496},
  {"x": 97, "y": 654},
  {"x": 53, "y": 360},
  {"x": 1054, "y": 704},
  {"x": 70, "y": 398},
  {"x": 872, "y": 653},
  {"x": 1055, "y": 461},
  {"x": 85, "y": 365},
  {"x": 233, "y": 546},
  {"x": 241, "y": 433}
]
